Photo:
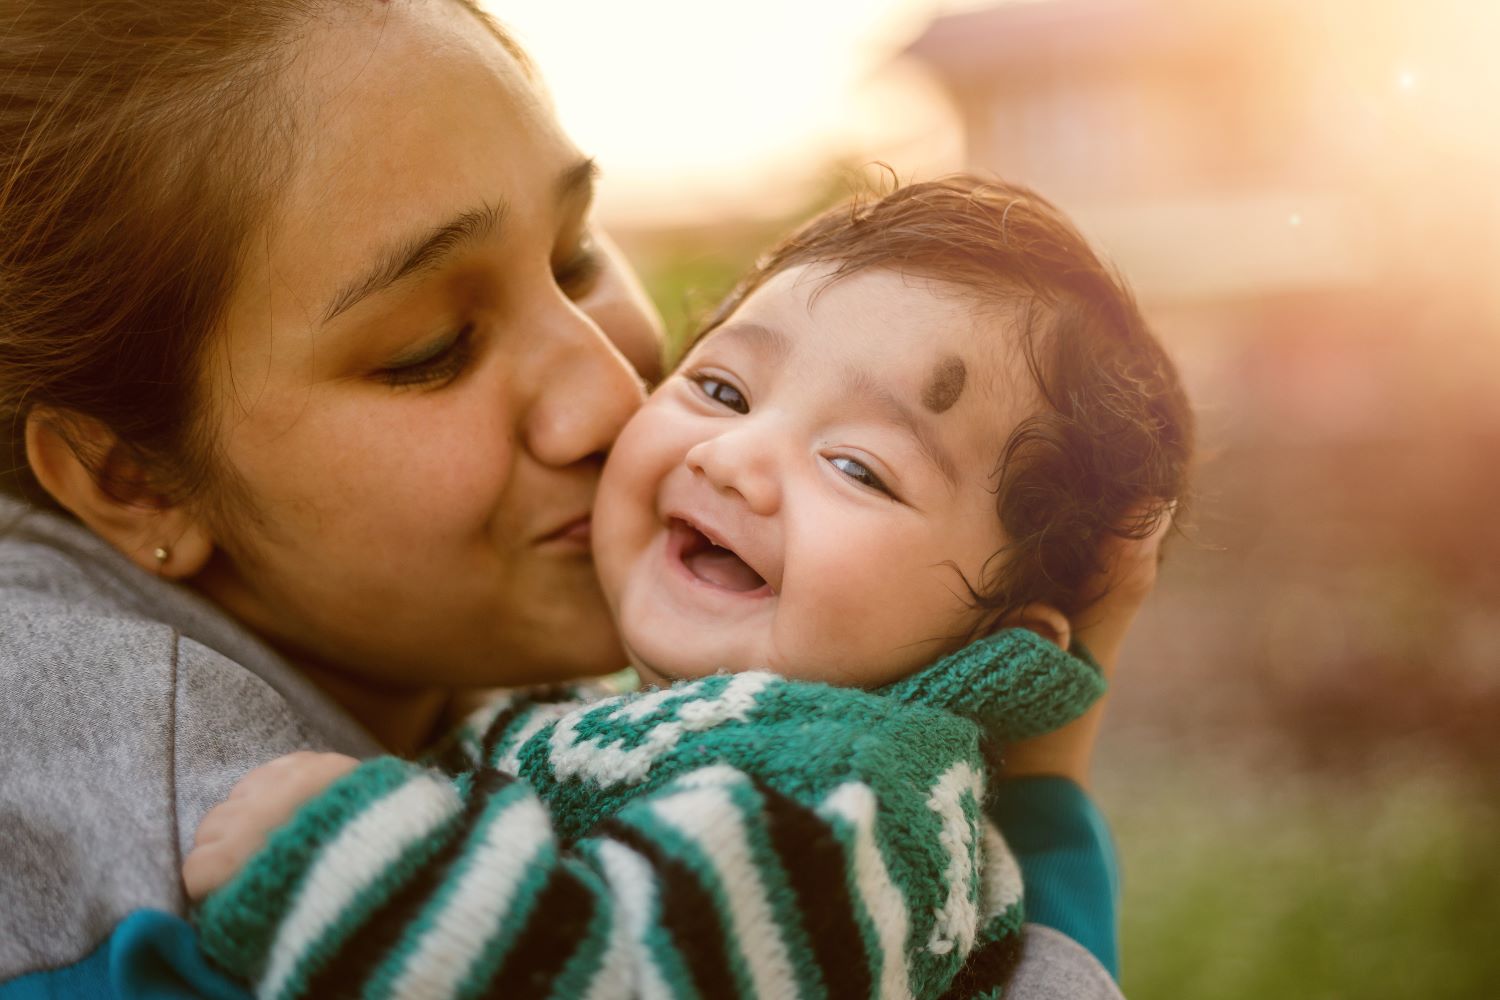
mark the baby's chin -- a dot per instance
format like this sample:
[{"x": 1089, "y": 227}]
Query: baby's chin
[
  {"x": 665, "y": 675},
  {"x": 650, "y": 677},
  {"x": 657, "y": 673}
]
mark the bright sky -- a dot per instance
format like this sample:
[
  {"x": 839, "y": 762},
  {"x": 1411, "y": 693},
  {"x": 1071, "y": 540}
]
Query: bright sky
[
  {"x": 694, "y": 105},
  {"x": 700, "y": 108}
]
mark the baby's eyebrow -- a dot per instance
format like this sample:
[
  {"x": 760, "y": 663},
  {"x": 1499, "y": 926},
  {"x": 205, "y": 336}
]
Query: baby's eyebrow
[
  {"x": 865, "y": 386},
  {"x": 773, "y": 345}
]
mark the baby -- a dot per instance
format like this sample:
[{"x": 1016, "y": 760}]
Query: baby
[{"x": 888, "y": 465}]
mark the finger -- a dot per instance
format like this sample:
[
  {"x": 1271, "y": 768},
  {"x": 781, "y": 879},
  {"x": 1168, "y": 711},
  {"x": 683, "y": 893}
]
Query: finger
[
  {"x": 217, "y": 821},
  {"x": 204, "y": 871}
]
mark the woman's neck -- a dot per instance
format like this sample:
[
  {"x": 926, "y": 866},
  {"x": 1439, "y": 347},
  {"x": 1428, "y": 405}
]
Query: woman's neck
[{"x": 405, "y": 720}]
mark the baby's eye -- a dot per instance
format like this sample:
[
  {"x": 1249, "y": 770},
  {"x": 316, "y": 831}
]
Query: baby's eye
[
  {"x": 859, "y": 473},
  {"x": 723, "y": 393}
]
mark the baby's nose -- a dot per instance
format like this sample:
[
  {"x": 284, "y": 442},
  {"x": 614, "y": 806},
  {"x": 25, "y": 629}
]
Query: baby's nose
[{"x": 741, "y": 463}]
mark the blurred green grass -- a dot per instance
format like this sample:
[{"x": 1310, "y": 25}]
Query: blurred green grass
[{"x": 1314, "y": 886}]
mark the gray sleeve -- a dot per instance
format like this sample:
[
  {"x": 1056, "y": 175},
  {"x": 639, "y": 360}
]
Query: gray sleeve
[
  {"x": 115, "y": 737},
  {"x": 1055, "y": 967},
  {"x": 227, "y": 722}
]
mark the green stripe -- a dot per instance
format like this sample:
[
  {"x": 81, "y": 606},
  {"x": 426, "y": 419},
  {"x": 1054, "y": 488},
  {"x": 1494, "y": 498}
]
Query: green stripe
[
  {"x": 673, "y": 844},
  {"x": 784, "y": 906},
  {"x": 517, "y": 916},
  {"x": 661, "y": 950},
  {"x": 869, "y": 934},
  {"x": 391, "y": 879},
  {"x": 385, "y": 977},
  {"x": 238, "y": 924},
  {"x": 587, "y": 960}
]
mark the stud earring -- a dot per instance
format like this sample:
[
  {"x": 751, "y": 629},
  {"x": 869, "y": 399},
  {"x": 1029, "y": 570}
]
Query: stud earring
[{"x": 162, "y": 554}]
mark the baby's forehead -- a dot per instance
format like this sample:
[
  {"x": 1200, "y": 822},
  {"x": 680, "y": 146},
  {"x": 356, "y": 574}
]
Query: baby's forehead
[{"x": 938, "y": 343}]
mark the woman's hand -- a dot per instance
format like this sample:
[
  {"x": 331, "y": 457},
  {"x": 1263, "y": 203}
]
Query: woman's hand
[
  {"x": 262, "y": 800},
  {"x": 1126, "y": 581}
]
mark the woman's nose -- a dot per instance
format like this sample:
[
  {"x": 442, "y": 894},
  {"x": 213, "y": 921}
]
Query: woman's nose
[
  {"x": 740, "y": 462},
  {"x": 582, "y": 390}
]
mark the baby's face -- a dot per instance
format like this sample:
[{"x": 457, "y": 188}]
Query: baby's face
[{"x": 803, "y": 493}]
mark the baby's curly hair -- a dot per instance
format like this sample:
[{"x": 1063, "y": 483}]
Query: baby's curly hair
[{"x": 1109, "y": 449}]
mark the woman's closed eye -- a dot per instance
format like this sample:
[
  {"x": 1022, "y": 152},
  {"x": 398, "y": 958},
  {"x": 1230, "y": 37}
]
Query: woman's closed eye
[{"x": 436, "y": 364}]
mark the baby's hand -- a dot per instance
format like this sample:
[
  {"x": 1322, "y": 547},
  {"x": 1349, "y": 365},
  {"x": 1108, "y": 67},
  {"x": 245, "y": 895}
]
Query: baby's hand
[{"x": 264, "y": 799}]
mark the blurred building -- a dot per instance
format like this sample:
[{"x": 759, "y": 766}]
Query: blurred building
[
  {"x": 1302, "y": 195},
  {"x": 1249, "y": 166}
]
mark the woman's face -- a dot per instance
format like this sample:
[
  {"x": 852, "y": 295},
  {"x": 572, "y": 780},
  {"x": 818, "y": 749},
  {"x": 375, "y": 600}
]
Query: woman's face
[{"x": 424, "y": 360}]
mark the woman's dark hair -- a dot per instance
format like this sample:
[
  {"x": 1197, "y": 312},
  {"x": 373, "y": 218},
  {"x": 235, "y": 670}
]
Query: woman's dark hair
[
  {"x": 141, "y": 143},
  {"x": 1109, "y": 446}
]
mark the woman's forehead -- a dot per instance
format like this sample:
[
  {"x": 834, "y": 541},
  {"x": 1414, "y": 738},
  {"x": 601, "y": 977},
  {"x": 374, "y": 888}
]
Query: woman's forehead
[{"x": 406, "y": 123}]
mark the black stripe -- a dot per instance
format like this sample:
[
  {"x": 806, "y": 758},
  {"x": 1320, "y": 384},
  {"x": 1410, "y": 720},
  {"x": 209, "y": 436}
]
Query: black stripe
[
  {"x": 988, "y": 967},
  {"x": 368, "y": 946},
  {"x": 551, "y": 694},
  {"x": 554, "y": 929},
  {"x": 495, "y": 731},
  {"x": 689, "y": 914},
  {"x": 450, "y": 756},
  {"x": 817, "y": 868}
]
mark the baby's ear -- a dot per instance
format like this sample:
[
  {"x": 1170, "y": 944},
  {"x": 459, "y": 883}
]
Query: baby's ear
[
  {"x": 1047, "y": 622},
  {"x": 1015, "y": 684}
]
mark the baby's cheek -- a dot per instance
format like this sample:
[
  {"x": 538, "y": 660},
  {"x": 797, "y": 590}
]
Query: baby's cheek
[
  {"x": 865, "y": 624},
  {"x": 623, "y": 521}
]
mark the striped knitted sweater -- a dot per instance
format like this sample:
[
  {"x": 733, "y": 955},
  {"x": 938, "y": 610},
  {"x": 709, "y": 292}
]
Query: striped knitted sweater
[{"x": 735, "y": 836}]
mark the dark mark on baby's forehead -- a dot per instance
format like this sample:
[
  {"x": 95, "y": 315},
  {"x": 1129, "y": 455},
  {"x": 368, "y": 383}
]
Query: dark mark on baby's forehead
[{"x": 945, "y": 384}]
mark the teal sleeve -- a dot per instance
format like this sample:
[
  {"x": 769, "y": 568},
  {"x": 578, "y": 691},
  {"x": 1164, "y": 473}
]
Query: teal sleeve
[
  {"x": 150, "y": 956},
  {"x": 1067, "y": 858}
]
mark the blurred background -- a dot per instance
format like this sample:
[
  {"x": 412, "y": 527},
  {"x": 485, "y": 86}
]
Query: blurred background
[{"x": 1303, "y": 757}]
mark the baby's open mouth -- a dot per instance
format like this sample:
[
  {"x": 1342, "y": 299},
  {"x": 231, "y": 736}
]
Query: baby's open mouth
[{"x": 713, "y": 563}]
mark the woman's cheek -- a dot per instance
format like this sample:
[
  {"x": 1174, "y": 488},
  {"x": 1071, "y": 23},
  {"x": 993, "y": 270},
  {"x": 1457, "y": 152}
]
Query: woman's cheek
[{"x": 455, "y": 456}]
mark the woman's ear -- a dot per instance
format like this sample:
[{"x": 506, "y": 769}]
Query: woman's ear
[
  {"x": 1046, "y": 621},
  {"x": 113, "y": 496}
]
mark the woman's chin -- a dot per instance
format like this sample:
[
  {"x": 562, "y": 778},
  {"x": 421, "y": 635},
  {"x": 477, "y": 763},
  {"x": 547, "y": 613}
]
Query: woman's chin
[{"x": 589, "y": 650}]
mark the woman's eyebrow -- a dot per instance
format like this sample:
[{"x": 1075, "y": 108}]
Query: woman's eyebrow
[
  {"x": 427, "y": 250},
  {"x": 418, "y": 253}
]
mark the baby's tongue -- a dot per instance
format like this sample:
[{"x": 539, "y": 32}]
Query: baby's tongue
[{"x": 722, "y": 567}]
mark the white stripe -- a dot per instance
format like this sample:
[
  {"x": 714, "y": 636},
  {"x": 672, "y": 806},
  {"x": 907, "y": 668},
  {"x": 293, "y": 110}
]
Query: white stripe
[
  {"x": 855, "y": 804},
  {"x": 954, "y": 923},
  {"x": 712, "y": 776},
  {"x": 480, "y": 902},
  {"x": 541, "y": 715},
  {"x": 1000, "y": 878},
  {"x": 633, "y": 889},
  {"x": 361, "y": 853},
  {"x": 734, "y": 702},
  {"x": 607, "y": 762},
  {"x": 710, "y": 818},
  {"x": 613, "y": 977}
]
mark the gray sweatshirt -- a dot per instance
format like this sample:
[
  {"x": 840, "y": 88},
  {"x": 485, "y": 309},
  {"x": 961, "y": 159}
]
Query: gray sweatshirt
[{"x": 130, "y": 707}]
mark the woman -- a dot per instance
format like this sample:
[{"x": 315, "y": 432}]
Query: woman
[{"x": 304, "y": 321}]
